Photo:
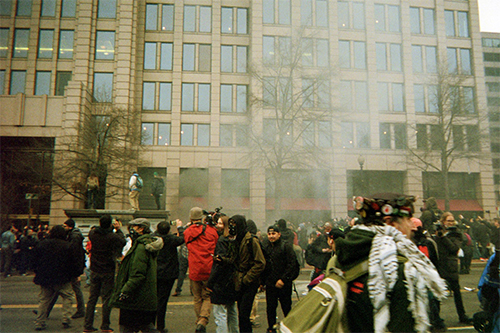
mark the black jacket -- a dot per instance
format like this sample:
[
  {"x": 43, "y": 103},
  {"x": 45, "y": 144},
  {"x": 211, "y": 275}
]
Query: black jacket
[
  {"x": 106, "y": 248},
  {"x": 448, "y": 247},
  {"x": 75, "y": 237},
  {"x": 221, "y": 280},
  {"x": 54, "y": 262},
  {"x": 279, "y": 262},
  {"x": 321, "y": 258},
  {"x": 158, "y": 186},
  {"x": 167, "y": 260}
]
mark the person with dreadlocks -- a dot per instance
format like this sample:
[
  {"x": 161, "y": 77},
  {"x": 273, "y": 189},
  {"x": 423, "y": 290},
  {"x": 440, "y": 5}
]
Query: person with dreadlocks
[{"x": 392, "y": 295}]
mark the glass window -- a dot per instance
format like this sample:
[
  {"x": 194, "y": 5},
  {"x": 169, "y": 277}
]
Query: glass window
[
  {"x": 226, "y": 135},
  {"x": 343, "y": 15},
  {"x": 189, "y": 18},
  {"x": 163, "y": 134},
  {"x": 347, "y": 135},
  {"x": 381, "y": 56},
  {"x": 396, "y": 57},
  {"x": 400, "y": 136},
  {"x": 106, "y": 9},
  {"x": 227, "y": 20},
  {"x": 432, "y": 94},
  {"x": 23, "y": 7},
  {"x": 241, "y": 59},
  {"x": 385, "y": 135},
  {"x": 268, "y": 50},
  {"x": 17, "y": 82},
  {"x": 324, "y": 134},
  {"x": 284, "y": 47},
  {"x": 322, "y": 53},
  {"x": 358, "y": 15},
  {"x": 465, "y": 61},
  {"x": 269, "y": 94},
  {"x": 45, "y": 41},
  {"x": 308, "y": 93},
  {"x": 42, "y": 83},
  {"x": 431, "y": 59},
  {"x": 383, "y": 96},
  {"x": 205, "y": 58},
  {"x": 415, "y": 20},
  {"x": 6, "y": 8},
  {"x": 151, "y": 17},
  {"x": 344, "y": 54},
  {"x": 394, "y": 21},
  {"x": 241, "y": 98},
  {"x": 306, "y": 12},
  {"x": 226, "y": 98},
  {"x": 429, "y": 27},
  {"x": 166, "y": 57},
  {"x": 418, "y": 90},
  {"x": 449, "y": 18},
  {"x": 66, "y": 38},
  {"x": 307, "y": 49},
  {"x": 284, "y": 11},
  {"x": 187, "y": 97},
  {"x": 62, "y": 79},
  {"x": 242, "y": 21},
  {"x": 68, "y": 8},
  {"x": 361, "y": 95},
  {"x": 103, "y": 87},
  {"x": 363, "y": 135},
  {"x": 321, "y": 13},
  {"x": 416, "y": 52},
  {"x": 148, "y": 95},
  {"x": 21, "y": 39},
  {"x": 463, "y": 24},
  {"x": 205, "y": 19},
  {"x": 48, "y": 8},
  {"x": 268, "y": 9},
  {"x": 187, "y": 131},
  {"x": 469, "y": 99},
  {"x": 188, "y": 57},
  {"x": 4, "y": 42},
  {"x": 150, "y": 55},
  {"x": 147, "y": 134},
  {"x": 397, "y": 97},
  {"x": 105, "y": 45},
  {"x": 167, "y": 18},
  {"x": 2, "y": 82},
  {"x": 421, "y": 136},
  {"x": 269, "y": 131},
  {"x": 452, "y": 60},
  {"x": 203, "y": 135},
  {"x": 226, "y": 58},
  {"x": 346, "y": 93},
  {"x": 379, "y": 17},
  {"x": 242, "y": 135},
  {"x": 359, "y": 55},
  {"x": 204, "y": 97},
  {"x": 165, "y": 96}
]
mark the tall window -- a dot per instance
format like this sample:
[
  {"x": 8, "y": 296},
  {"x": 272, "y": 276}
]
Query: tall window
[
  {"x": 457, "y": 23},
  {"x": 48, "y": 8},
  {"x": 17, "y": 82},
  {"x": 68, "y": 8},
  {"x": 422, "y": 21},
  {"x": 197, "y": 18},
  {"x": 390, "y": 97},
  {"x": 157, "y": 96},
  {"x": 150, "y": 55},
  {"x": 103, "y": 87},
  {"x": 351, "y": 15},
  {"x": 42, "y": 83},
  {"x": 45, "y": 42},
  {"x": 188, "y": 132},
  {"x": 62, "y": 79},
  {"x": 4, "y": 42},
  {"x": 233, "y": 98},
  {"x": 21, "y": 38},
  {"x": 352, "y": 54},
  {"x": 106, "y": 9},
  {"x": 459, "y": 61},
  {"x": 66, "y": 40},
  {"x": 233, "y": 58},
  {"x": 387, "y": 18},
  {"x": 234, "y": 20},
  {"x": 23, "y": 7},
  {"x": 105, "y": 45},
  {"x": 388, "y": 57},
  {"x": 277, "y": 12},
  {"x": 196, "y": 97},
  {"x": 392, "y": 136},
  {"x": 2, "y": 82},
  {"x": 151, "y": 16},
  {"x": 190, "y": 62},
  {"x": 155, "y": 134},
  {"x": 166, "y": 56},
  {"x": 167, "y": 18},
  {"x": 6, "y": 8},
  {"x": 355, "y": 135},
  {"x": 315, "y": 13}
]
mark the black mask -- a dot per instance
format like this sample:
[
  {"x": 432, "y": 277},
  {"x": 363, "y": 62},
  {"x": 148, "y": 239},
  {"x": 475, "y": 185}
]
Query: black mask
[
  {"x": 133, "y": 234},
  {"x": 232, "y": 230}
]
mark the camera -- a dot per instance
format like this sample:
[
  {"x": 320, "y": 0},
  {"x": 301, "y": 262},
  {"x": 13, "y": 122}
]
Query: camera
[
  {"x": 212, "y": 217},
  {"x": 173, "y": 222},
  {"x": 438, "y": 226}
]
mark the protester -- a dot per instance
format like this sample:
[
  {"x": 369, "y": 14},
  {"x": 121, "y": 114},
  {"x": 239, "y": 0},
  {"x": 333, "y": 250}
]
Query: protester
[
  {"x": 7, "y": 251},
  {"x": 157, "y": 189},
  {"x": 135, "y": 187}
]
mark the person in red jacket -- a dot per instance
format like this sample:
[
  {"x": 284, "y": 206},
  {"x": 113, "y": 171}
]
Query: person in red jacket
[{"x": 200, "y": 240}]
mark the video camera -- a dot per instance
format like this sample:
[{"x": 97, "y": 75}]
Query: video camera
[{"x": 212, "y": 217}]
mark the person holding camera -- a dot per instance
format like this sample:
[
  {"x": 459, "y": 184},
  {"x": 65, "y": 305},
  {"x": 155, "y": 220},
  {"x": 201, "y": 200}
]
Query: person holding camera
[
  {"x": 449, "y": 240},
  {"x": 200, "y": 240}
]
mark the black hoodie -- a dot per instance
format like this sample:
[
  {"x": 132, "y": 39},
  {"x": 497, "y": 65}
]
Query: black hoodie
[{"x": 106, "y": 247}]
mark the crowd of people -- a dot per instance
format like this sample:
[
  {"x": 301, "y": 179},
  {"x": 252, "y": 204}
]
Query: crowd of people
[{"x": 411, "y": 263}]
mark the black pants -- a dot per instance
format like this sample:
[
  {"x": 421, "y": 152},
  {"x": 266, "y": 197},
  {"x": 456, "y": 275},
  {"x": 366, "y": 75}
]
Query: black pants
[
  {"x": 183, "y": 267},
  {"x": 454, "y": 287},
  {"x": 273, "y": 295},
  {"x": 163, "y": 289},
  {"x": 245, "y": 302},
  {"x": 157, "y": 200},
  {"x": 100, "y": 285}
]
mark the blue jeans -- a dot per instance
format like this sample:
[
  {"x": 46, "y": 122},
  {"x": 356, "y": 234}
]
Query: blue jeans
[{"x": 226, "y": 318}]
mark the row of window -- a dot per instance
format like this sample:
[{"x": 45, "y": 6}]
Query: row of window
[
  {"x": 46, "y": 45},
  {"x": 43, "y": 82}
]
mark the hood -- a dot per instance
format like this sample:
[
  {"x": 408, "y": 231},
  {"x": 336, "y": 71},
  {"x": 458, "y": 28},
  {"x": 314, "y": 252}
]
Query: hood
[
  {"x": 153, "y": 243},
  {"x": 431, "y": 203},
  {"x": 241, "y": 227},
  {"x": 354, "y": 248},
  {"x": 251, "y": 227}
]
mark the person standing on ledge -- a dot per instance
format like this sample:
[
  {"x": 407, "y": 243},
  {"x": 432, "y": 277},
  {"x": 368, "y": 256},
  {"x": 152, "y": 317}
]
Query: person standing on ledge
[
  {"x": 157, "y": 189},
  {"x": 135, "y": 185}
]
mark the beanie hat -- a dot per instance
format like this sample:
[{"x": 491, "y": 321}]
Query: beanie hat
[
  {"x": 70, "y": 223},
  {"x": 386, "y": 204}
]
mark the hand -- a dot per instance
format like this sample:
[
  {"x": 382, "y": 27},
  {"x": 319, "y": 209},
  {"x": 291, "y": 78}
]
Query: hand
[
  {"x": 279, "y": 284},
  {"x": 122, "y": 297},
  {"x": 178, "y": 223},
  {"x": 326, "y": 250},
  {"x": 117, "y": 224}
]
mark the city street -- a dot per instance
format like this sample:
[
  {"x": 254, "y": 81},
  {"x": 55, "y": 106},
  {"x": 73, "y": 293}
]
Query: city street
[{"x": 19, "y": 298}]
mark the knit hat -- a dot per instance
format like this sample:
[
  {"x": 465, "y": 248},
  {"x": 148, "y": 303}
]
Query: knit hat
[
  {"x": 385, "y": 204},
  {"x": 196, "y": 213}
]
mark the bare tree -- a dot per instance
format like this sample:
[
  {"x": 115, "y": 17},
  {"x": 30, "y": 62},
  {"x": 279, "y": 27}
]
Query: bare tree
[
  {"x": 450, "y": 130},
  {"x": 294, "y": 105}
]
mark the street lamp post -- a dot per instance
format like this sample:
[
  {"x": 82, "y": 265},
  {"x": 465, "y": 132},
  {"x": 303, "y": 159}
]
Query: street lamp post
[{"x": 361, "y": 162}]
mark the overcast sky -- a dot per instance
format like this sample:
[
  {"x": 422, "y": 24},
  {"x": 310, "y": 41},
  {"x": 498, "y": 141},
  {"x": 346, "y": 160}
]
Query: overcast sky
[{"x": 489, "y": 15}]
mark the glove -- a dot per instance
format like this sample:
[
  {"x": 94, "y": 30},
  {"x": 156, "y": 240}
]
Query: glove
[{"x": 122, "y": 297}]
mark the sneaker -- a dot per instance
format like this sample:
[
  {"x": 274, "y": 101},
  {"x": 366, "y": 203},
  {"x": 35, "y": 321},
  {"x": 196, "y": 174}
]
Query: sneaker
[
  {"x": 66, "y": 325},
  {"x": 107, "y": 330},
  {"x": 78, "y": 315},
  {"x": 92, "y": 329},
  {"x": 200, "y": 329}
]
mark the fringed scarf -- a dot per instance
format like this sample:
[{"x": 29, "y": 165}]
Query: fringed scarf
[{"x": 420, "y": 273}]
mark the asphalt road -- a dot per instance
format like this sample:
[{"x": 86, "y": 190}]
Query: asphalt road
[{"x": 19, "y": 297}]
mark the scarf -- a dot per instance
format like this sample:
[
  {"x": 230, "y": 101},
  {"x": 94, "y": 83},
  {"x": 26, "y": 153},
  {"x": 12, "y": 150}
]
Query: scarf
[{"x": 420, "y": 273}]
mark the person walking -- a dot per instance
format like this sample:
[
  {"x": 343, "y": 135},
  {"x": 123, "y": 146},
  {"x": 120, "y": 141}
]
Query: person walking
[
  {"x": 7, "y": 251},
  {"x": 135, "y": 288},
  {"x": 167, "y": 269},
  {"x": 157, "y": 189},
  {"x": 107, "y": 243},
  {"x": 135, "y": 185},
  {"x": 200, "y": 240}
]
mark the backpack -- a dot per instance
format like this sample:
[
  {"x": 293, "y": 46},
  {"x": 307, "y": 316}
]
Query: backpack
[
  {"x": 296, "y": 266},
  {"x": 309, "y": 256},
  {"x": 139, "y": 183},
  {"x": 323, "y": 309}
]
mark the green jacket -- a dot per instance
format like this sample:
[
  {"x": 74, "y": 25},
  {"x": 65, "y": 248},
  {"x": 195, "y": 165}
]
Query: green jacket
[
  {"x": 137, "y": 275},
  {"x": 251, "y": 262}
]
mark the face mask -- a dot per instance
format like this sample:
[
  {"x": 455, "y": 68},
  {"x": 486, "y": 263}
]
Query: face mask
[
  {"x": 133, "y": 234},
  {"x": 232, "y": 230}
]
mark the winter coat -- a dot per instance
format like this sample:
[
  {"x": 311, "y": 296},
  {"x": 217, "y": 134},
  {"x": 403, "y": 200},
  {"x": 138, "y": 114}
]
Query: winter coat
[
  {"x": 280, "y": 262},
  {"x": 137, "y": 275},
  {"x": 221, "y": 280},
  {"x": 158, "y": 186},
  {"x": 251, "y": 262},
  {"x": 55, "y": 263},
  {"x": 76, "y": 238},
  {"x": 320, "y": 258},
  {"x": 167, "y": 261},
  {"x": 106, "y": 248},
  {"x": 200, "y": 240},
  {"x": 448, "y": 246}
]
